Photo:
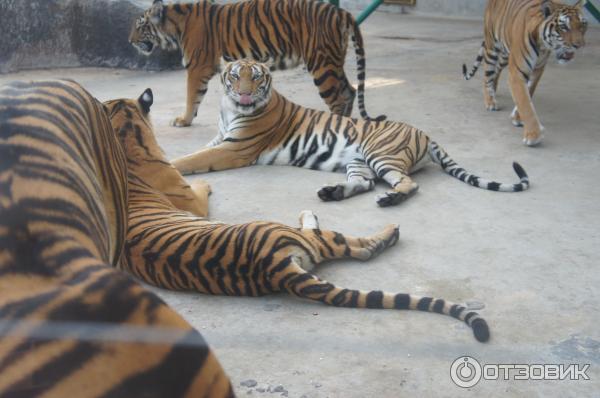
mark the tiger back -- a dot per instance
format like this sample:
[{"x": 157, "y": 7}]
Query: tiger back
[{"x": 70, "y": 323}]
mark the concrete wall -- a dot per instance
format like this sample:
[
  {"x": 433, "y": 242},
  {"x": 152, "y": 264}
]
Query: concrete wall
[{"x": 65, "y": 33}]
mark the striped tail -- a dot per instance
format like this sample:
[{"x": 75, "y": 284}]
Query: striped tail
[
  {"x": 308, "y": 286},
  {"x": 439, "y": 156},
  {"x": 468, "y": 75},
  {"x": 359, "y": 49}
]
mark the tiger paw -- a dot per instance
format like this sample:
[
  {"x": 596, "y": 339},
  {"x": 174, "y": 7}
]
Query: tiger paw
[
  {"x": 331, "y": 192},
  {"x": 201, "y": 187},
  {"x": 532, "y": 138},
  {"x": 393, "y": 198},
  {"x": 516, "y": 118},
  {"x": 180, "y": 122},
  {"x": 491, "y": 105}
]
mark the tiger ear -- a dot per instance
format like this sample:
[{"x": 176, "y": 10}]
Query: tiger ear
[
  {"x": 580, "y": 3},
  {"x": 225, "y": 71},
  {"x": 546, "y": 8},
  {"x": 146, "y": 100},
  {"x": 156, "y": 12}
]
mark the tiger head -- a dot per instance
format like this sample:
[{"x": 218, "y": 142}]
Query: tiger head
[
  {"x": 563, "y": 28},
  {"x": 247, "y": 86},
  {"x": 153, "y": 29},
  {"x": 130, "y": 118}
]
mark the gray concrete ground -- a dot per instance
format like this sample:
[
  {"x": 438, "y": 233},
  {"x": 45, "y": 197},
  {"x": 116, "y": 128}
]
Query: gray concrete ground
[{"x": 529, "y": 257}]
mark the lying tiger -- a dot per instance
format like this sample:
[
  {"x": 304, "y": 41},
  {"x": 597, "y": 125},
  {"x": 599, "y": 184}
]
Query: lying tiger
[
  {"x": 175, "y": 249},
  {"x": 522, "y": 34},
  {"x": 257, "y": 125},
  {"x": 71, "y": 325},
  {"x": 286, "y": 32}
]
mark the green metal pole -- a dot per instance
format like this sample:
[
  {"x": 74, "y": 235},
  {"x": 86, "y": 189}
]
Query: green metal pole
[
  {"x": 335, "y": 2},
  {"x": 369, "y": 10},
  {"x": 593, "y": 10}
]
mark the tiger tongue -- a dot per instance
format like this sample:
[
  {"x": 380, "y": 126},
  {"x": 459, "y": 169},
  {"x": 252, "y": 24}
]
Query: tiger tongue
[{"x": 246, "y": 99}]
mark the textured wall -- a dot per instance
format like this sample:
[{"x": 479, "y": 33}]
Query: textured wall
[{"x": 64, "y": 33}]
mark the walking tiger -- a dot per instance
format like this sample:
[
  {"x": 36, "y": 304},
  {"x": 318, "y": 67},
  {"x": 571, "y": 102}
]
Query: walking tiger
[{"x": 522, "y": 34}]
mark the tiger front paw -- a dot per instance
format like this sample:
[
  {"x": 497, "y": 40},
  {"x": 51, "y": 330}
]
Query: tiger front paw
[
  {"x": 533, "y": 137},
  {"x": 516, "y": 118},
  {"x": 491, "y": 104},
  {"x": 181, "y": 122},
  {"x": 332, "y": 192},
  {"x": 201, "y": 187}
]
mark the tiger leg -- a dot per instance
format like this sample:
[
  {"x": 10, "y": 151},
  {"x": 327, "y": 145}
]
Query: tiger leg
[
  {"x": 532, "y": 85},
  {"x": 197, "y": 85},
  {"x": 334, "y": 88},
  {"x": 333, "y": 245},
  {"x": 402, "y": 188},
  {"x": 491, "y": 76},
  {"x": 220, "y": 157},
  {"x": 360, "y": 178},
  {"x": 520, "y": 93}
]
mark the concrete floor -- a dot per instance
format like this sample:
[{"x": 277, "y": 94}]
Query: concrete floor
[{"x": 530, "y": 258}]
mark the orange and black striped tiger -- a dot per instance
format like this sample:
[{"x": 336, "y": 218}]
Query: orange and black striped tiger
[
  {"x": 71, "y": 325},
  {"x": 177, "y": 250},
  {"x": 259, "y": 126},
  {"x": 285, "y": 32},
  {"x": 522, "y": 34}
]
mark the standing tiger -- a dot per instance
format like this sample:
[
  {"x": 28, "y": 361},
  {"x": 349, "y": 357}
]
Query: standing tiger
[
  {"x": 174, "y": 249},
  {"x": 71, "y": 325},
  {"x": 522, "y": 34},
  {"x": 284, "y": 32},
  {"x": 258, "y": 125}
]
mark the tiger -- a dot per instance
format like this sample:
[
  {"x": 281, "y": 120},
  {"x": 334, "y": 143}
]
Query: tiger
[
  {"x": 257, "y": 125},
  {"x": 174, "y": 249},
  {"x": 71, "y": 324},
  {"x": 286, "y": 33},
  {"x": 522, "y": 34}
]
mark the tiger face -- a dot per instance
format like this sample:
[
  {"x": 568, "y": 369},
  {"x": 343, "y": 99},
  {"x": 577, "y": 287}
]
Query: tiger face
[
  {"x": 564, "y": 28},
  {"x": 152, "y": 29},
  {"x": 247, "y": 85}
]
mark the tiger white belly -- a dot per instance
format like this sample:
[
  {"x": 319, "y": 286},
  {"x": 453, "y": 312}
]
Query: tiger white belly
[{"x": 326, "y": 155}]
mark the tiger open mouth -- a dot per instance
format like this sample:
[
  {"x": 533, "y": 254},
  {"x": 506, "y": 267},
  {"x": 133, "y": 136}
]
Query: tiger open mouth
[
  {"x": 145, "y": 47},
  {"x": 245, "y": 100},
  {"x": 565, "y": 55}
]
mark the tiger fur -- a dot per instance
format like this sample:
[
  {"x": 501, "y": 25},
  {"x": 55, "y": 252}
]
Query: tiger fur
[{"x": 71, "y": 325}]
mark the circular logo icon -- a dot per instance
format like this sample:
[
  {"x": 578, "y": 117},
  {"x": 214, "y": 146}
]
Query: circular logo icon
[{"x": 465, "y": 372}]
